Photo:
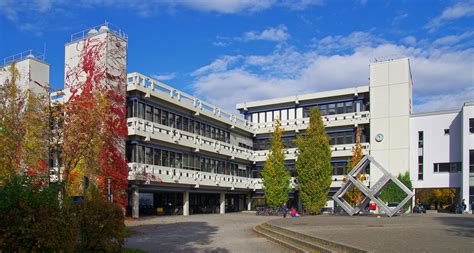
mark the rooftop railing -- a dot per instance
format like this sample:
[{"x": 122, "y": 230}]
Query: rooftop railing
[
  {"x": 98, "y": 29},
  {"x": 28, "y": 54}
]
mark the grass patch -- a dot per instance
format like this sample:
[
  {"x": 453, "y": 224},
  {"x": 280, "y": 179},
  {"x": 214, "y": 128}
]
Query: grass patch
[{"x": 132, "y": 250}]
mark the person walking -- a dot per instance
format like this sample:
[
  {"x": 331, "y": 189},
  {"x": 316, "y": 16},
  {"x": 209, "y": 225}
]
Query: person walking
[{"x": 284, "y": 210}]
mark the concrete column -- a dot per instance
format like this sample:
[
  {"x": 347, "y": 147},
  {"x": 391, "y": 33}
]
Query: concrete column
[
  {"x": 135, "y": 199},
  {"x": 186, "y": 203},
  {"x": 249, "y": 202},
  {"x": 222, "y": 202}
]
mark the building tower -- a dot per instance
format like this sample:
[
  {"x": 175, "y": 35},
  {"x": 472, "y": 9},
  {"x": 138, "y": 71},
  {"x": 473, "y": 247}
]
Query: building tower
[{"x": 390, "y": 109}]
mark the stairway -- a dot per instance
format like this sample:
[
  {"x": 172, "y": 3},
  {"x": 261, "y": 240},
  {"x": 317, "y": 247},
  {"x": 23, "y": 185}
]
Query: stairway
[{"x": 299, "y": 242}]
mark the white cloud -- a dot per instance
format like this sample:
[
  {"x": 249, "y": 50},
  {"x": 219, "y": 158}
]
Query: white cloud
[
  {"x": 437, "y": 72},
  {"x": 353, "y": 40},
  {"x": 279, "y": 33},
  {"x": 452, "y": 39},
  {"x": 165, "y": 77},
  {"x": 218, "y": 65},
  {"x": 409, "y": 40},
  {"x": 456, "y": 11},
  {"x": 228, "y": 6}
]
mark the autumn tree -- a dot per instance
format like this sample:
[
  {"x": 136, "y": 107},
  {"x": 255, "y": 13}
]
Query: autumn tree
[
  {"x": 94, "y": 129},
  {"x": 314, "y": 164},
  {"x": 276, "y": 178},
  {"x": 24, "y": 129},
  {"x": 354, "y": 195}
]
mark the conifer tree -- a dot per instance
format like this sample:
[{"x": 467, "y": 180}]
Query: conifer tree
[
  {"x": 276, "y": 178},
  {"x": 314, "y": 164}
]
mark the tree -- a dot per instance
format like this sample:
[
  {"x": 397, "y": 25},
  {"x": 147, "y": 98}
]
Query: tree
[
  {"x": 24, "y": 129},
  {"x": 354, "y": 195},
  {"x": 276, "y": 178},
  {"x": 314, "y": 164},
  {"x": 393, "y": 193}
]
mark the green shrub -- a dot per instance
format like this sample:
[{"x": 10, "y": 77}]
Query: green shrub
[
  {"x": 101, "y": 224},
  {"x": 32, "y": 218},
  {"x": 393, "y": 193}
]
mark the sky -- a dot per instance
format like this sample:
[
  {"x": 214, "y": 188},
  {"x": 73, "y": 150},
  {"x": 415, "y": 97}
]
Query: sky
[{"x": 233, "y": 51}]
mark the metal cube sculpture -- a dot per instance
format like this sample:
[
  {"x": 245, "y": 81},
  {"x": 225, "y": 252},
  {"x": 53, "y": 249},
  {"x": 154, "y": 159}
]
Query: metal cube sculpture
[{"x": 372, "y": 192}]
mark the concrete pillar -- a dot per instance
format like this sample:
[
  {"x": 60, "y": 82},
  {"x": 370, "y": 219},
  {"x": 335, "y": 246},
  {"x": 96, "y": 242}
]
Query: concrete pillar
[
  {"x": 413, "y": 200},
  {"x": 186, "y": 203},
  {"x": 249, "y": 202},
  {"x": 222, "y": 202},
  {"x": 135, "y": 202}
]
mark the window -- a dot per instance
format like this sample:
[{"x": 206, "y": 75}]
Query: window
[
  {"x": 471, "y": 126},
  {"x": 446, "y": 131},
  {"x": 141, "y": 110},
  {"x": 340, "y": 108},
  {"x": 185, "y": 124},
  {"x": 171, "y": 120},
  {"x": 157, "y": 157},
  {"x": 164, "y": 158},
  {"x": 157, "y": 115},
  {"x": 148, "y": 155},
  {"x": 149, "y": 113},
  {"x": 164, "y": 118},
  {"x": 130, "y": 109},
  {"x": 131, "y": 153},
  {"x": 179, "y": 122},
  {"x": 141, "y": 154},
  {"x": 447, "y": 167},
  {"x": 471, "y": 161},
  {"x": 420, "y": 155},
  {"x": 339, "y": 168},
  {"x": 331, "y": 109}
]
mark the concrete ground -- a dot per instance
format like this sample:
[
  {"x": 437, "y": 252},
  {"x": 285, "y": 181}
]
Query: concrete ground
[
  {"x": 200, "y": 233},
  {"x": 406, "y": 233}
]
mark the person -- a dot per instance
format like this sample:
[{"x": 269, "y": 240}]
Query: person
[
  {"x": 284, "y": 210},
  {"x": 293, "y": 212},
  {"x": 463, "y": 206}
]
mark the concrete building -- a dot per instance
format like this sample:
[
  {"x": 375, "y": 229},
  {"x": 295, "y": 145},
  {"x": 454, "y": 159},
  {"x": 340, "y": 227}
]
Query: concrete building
[
  {"x": 442, "y": 156},
  {"x": 33, "y": 71},
  {"x": 187, "y": 156}
]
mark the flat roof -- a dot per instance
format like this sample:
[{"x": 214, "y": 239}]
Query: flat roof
[{"x": 303, "y": 97}]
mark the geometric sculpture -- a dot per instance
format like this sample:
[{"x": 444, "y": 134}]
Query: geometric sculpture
[{"x": 371, "y": 193}]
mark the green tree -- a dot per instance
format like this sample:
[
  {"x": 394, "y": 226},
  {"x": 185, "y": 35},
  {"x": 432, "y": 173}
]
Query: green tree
[
  {"x": 393, "y": 193},
  {"x": 314, "y": 164},
  {"x": 276, "y": 178}
]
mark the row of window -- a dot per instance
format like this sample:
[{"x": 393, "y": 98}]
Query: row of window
[
  {"x": 339, "y": 168},
  {"x": 447, "y": 167},
  {"x": 337, "y": 138},
  {"x": 303, "y": 112},
  {"x": 166, "y": 158},
  {"x": 164, "y": 117}
]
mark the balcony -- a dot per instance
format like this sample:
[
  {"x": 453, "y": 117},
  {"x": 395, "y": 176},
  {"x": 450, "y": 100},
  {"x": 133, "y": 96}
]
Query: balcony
[
  {"x": 159, "y": 174},
  {"x": 296, "y": 125},
  {"x": 151, "y": 130},
  {"x": 337, "y": 151},
  {"x": 137, "y": 81}
]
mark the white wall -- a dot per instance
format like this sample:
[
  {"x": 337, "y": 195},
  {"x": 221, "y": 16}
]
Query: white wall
[
  {"x": 33, "y": 75},
  {"x": 390, "y": 107},
  {"x": 438, "y": 147}
]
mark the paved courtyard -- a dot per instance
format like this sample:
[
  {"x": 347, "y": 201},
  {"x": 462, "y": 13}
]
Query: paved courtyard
[
  {"x": 407, "y": 233},
  {"x": 201, "y": 233}
]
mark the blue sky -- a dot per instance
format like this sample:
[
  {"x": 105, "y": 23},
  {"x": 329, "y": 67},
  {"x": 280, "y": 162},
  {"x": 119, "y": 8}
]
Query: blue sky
[{"x": 235, "y": 51}]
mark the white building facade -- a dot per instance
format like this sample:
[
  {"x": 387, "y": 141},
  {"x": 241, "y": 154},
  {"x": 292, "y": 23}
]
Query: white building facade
[{"x": 187, "y": 156}]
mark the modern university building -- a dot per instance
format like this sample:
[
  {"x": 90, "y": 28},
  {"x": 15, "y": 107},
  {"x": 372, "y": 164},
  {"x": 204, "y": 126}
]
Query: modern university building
[{"x": 187, "y": 156}]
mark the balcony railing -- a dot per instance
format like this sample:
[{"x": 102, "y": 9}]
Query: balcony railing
[
  {"x": 170, "y": 94},
  {"x": 337, "y": 151},
  {"x": 303, "y": 123},
  {"x": 152, "y": 130},
  {"x": 159, "y": 174}
]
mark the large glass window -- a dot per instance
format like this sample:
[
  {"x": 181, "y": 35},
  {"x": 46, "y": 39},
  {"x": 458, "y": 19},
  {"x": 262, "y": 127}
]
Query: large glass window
[
  {"x": 164, "y": 158},
  {"x": 172, "y": 159},
  {"x": 471, "y": 125},
  {"x": 164, "y": 118},
  {"x": 471, "y": 161},
  {"x": 149, "y": 113},
  {"x": 171, "y": 120},
  {"x": 447, "y": 167},
  {"x": 157, "y": 157},
  {"x": 141, "y": 154},
  {"x": 129, "y": 109},
  {"x": 141, "y": 110},
  {"x": 156, "y": 115},
  {"x": 420, "y": 155},
  {"x": 148, "y": 155},
  {"x": 179, "y": 122}
]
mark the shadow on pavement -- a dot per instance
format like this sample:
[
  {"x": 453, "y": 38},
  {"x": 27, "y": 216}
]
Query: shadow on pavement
[
  {"x": 175, "y": 237},
  {"x": 458, "y": 225}
]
